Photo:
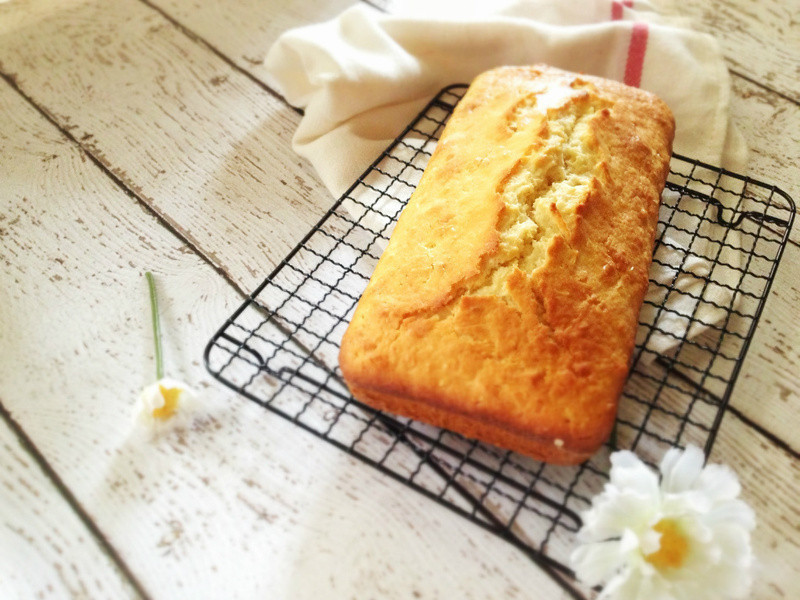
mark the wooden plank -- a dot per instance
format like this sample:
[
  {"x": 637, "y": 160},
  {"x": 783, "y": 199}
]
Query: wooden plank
[
  {"x": 768, "y": 389},
  {"x": 770, "y": 484},
  {"x": 771, "y": 128},
  {"x": 763, "y": 118},
  {"x": 194, "y": 137},
  {"x": 244, "y": 30},
  {"x": 760, "y": 40},
  {"x": 46, "y": 551},
  {"x": 241, "y": 504}
]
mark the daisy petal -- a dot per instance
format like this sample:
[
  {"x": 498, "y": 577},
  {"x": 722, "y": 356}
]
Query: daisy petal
[
  {"x": 680, "y": 470},
  {"x": 620, "y": 587},
  {"x": 630, "y": 473},
  {"x": 629, "y": 542},
  {"x": 719, "y": 482},
  {"x": 630, "y": 585},
  {"x": 650, "y": 541},
  {"x": 732, "y": 512},
  {"x": 689, "y": 502},
  {"x": 165, "y": 404},
  {"x": 613, "y": 513},
  {"x": 596, "y": 563}
]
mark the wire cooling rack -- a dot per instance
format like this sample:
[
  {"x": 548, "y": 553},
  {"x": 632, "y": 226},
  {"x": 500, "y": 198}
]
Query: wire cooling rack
[{"x": 719, "y": 242}]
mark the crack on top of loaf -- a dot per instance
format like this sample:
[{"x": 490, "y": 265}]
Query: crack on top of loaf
[
  {"x": 523, "y": 113},
  {"x": 542, "y": 192}
]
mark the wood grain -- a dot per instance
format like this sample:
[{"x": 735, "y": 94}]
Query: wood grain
[
  {"x": 768, "y": 389},
  {"x": 770, "y": 484},
  {"x": 190, "y": 135},
  {"x": 241, "y": 504},
  {"x": 46, "y": 551},
  {"x": 244, "y": 30},
  {"x": 771, "y": 127},
  {"x": 760, "y": 40}
]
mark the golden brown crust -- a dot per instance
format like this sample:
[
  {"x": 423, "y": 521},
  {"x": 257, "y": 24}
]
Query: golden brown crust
[
  {"x": 549, "y": 450},
  {"x": 505, "y": 305}
]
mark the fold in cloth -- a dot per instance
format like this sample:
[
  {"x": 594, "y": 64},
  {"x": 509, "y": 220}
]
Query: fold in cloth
[{"x": 362, "y": 76}]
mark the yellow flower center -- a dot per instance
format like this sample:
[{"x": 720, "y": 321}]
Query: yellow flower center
[
  {"x": 170, "y": 403},
  {"x": 673, "y": 548}
]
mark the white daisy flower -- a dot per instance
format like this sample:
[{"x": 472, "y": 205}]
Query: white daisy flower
[
  {"x": 167, "y": 402},
  {"x": 164, "y": 404},
  {"x": 682, "y": 536}
]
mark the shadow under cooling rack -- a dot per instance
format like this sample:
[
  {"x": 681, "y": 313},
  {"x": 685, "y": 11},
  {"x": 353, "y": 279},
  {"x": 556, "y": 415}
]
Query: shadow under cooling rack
[{"x": 720, "y": 239}]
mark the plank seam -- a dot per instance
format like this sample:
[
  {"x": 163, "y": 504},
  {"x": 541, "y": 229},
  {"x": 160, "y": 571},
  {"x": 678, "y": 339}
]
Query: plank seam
[
  {"x": 763, "y": 86},
  {"x": 774, "y": 439},
  {"x": 166, "y": 223},
  {"x": 204, "y": 43},
  {"x": 31, "y": 448}
]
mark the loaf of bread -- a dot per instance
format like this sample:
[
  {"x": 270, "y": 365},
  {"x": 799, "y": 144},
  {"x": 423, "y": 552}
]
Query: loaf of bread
[{"x": 505, "y": 304}]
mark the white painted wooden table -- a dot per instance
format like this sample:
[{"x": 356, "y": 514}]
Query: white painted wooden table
[{"x": 139, "y": 135}]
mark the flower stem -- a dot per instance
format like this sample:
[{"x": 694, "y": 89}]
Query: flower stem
[{"x": 151, "y": 284}]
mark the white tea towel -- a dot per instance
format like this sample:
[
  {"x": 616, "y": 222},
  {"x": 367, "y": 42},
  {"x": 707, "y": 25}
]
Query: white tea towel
[{"x": 364, "y": 75}]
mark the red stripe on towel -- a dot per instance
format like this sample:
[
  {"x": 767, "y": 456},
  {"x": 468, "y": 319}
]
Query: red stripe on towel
[
  {"x": 617, "y": 6},
  {"x": 636, "y": 51}
]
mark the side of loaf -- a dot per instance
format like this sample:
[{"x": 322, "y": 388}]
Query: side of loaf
[{"x": 505, "y": 305}]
